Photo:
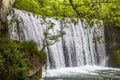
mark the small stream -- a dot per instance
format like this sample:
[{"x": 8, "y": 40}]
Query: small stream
[{"x": 83, "y": 73}]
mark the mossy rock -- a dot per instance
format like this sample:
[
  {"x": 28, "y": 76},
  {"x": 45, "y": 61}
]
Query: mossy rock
[{"x": 16, "y": 57}]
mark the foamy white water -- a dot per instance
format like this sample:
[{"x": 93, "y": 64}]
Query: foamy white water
[{"x": 83, "y": 73}]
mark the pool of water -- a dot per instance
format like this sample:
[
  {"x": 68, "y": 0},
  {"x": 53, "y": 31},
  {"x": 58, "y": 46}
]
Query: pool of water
[{"x": 82, "y": 73}]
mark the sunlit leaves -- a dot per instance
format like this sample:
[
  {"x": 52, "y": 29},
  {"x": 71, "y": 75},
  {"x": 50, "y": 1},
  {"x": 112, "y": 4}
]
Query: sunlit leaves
[{"x": 106, "y": 10}]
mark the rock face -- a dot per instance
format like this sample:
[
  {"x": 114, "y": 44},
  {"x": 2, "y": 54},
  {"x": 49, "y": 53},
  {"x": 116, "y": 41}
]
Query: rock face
[
  {"x": 112, "y": 35},
  {"x": 5, "y": 6},
  {"x": 35, "y": 63}
]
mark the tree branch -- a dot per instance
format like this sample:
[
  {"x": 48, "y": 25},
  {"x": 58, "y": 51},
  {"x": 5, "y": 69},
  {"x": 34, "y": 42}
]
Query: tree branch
[{"x": 75, "y": 8}]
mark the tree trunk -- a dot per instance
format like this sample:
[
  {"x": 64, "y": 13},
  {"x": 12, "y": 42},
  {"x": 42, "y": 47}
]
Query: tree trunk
[{"x": 5, "y": 7}]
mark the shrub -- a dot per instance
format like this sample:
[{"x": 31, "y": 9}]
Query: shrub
[{"x": 14, "y": 58}]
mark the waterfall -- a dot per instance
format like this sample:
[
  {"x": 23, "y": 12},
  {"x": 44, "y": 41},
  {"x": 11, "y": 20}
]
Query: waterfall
[{"x": 76, "y": 48}]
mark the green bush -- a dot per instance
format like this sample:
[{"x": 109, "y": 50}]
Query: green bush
[{"x": 14, "y": 58}]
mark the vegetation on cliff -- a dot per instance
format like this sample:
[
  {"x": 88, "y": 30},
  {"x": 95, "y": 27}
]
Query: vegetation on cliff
[{"x": 16, "y": 60}]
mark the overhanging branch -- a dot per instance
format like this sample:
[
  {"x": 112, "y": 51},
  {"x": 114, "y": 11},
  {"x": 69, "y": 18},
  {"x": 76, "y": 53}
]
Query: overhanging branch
[{"x": 75, "y": 9}]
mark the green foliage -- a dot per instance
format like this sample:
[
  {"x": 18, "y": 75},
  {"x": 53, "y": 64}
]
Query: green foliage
[
  {"x": 45, "y": 7},
  {"x": 28, "y": 46},
  {"x": 28, "y": 5},
  {"x": 106, "y": 10},
  {"x": 50, "y": 38},
  {"x": 14, "y": 58},
  {"x": 13, "y": 64}
]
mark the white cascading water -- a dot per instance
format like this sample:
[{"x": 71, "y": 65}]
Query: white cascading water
[{"x": 76, "y": 48}]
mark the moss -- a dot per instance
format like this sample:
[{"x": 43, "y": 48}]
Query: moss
[{"x": 14, "y": 60}]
